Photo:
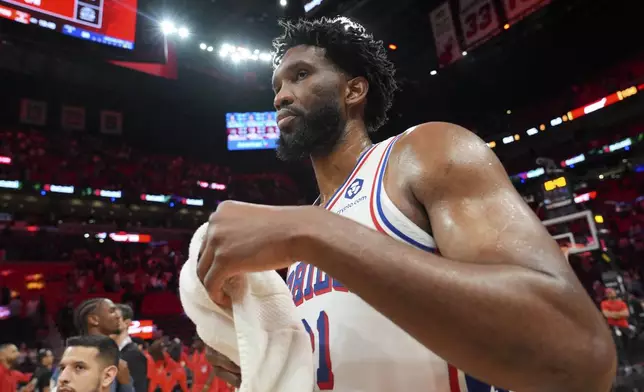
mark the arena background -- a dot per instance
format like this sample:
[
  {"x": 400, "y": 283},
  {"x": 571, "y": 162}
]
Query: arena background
[{"x": 111, "y": 155}]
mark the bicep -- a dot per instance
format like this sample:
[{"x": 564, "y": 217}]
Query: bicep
[{"x": 477, "y": 216}]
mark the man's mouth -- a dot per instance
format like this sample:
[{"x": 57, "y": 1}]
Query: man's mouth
[{"x": 284, "y": 121}]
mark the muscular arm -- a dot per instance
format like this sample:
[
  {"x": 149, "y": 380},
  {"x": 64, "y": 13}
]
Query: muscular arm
[{"x": 501, "y": 302}]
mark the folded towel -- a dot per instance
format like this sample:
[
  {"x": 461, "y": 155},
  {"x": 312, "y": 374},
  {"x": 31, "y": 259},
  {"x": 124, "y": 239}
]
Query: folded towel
[{"x": 262, "y": 333}]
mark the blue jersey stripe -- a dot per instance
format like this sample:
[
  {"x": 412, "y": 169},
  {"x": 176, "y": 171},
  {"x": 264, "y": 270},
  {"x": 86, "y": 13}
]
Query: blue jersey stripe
[
  {"x": 381, "y": 213},
  {"x": 474, "y": 385}
]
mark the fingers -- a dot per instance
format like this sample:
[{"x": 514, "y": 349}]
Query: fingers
[
  {"x": 206, "y": 265},
  {"x": 217, "y": 359},
  {"x": 214, "y": 283},
  {"x": 231, "y": 378},
  {"x": 206, "y": 252},
  {"x": 223, "y": 367}
]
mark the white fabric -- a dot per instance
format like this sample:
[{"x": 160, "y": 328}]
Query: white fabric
[
  {"x": 262, "y": 333},
  {"x": 125, "y": 342}
]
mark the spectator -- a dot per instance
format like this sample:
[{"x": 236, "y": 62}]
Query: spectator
[
  {"x": 177, "y": 375},
  {"x": 615, "y": 310},
  {"x": 10, "y": 378},
  {"x": 99, "y": 317},
  {"x": 136, "y": 361},
  {"x": 15, "y": 306},
  {"x": 42, "y": 376},
  {"x": 156, "y": 366},
  {"x": 98, "y": 357}
]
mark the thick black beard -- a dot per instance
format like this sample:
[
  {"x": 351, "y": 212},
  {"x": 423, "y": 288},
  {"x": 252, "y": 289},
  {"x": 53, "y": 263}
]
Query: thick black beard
[{"x": 315, "y": 134}]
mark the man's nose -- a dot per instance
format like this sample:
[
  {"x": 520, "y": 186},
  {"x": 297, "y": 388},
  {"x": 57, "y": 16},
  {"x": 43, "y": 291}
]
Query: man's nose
[
  {"x": 63, "y": 379},
  {"x": 283, "y": 99}
]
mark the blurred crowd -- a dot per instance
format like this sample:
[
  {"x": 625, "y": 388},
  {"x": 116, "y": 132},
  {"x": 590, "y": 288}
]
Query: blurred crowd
[
  {"x": 160, "y": 364},
  {"x": 88, "y": 161}
]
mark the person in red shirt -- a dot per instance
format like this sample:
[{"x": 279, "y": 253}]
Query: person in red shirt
[
  {"x": 198, "y": 365},
  {"x": 203, "y": 377},
  {"x": 157, "y": 373},
  {"x": 615, "y": 310},
  {"x": 10, "y": 378}
]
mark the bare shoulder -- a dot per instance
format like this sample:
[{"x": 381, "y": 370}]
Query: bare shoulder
[
  {"x": 437, "y": 151},
  {"x": 443, "y": 140}
]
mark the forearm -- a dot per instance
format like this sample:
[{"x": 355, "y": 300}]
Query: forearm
[{"x": 531, "y": 328}]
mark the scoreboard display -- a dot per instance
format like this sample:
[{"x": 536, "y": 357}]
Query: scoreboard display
[
  {"x": 107, "y": 22},
  {"x": 252, "y": 131}
]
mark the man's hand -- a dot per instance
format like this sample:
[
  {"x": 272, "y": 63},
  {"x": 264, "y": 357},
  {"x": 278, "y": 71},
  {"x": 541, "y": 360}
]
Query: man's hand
[
  {"x": 223, "y": 367},
  {"x": 28, "y": 388},
  {"x": 244, "y": 238},
  {"x": 123, "y": 375}
]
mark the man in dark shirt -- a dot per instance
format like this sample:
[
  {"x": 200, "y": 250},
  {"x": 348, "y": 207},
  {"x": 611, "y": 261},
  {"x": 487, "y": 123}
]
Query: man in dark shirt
[
  {"x": 130, "y": 353},
  {"x": 42, "y": 375},
  {"x": 100, "y": 317}
]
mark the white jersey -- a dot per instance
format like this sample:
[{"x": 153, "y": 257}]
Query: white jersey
[{"x": 355, "y": 347}]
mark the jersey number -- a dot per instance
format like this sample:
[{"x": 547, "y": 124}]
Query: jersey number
[{"x": 324, "y": 372}]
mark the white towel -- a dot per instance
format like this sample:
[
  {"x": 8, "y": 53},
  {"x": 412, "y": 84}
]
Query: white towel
[{"x": 262, "y": 334}]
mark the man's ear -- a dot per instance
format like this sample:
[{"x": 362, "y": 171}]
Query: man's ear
[
  {"x": 92, "y": 320},
  {"x": 109, "y": 374},
  {"x": 357, "y": 89}
]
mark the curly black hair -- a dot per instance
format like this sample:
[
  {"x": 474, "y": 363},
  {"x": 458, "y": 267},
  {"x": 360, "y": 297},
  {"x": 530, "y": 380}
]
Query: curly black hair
[{"x": 354, "y": 51}]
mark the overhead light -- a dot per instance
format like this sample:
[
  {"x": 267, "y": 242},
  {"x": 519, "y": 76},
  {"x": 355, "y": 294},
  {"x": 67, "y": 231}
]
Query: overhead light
[
  {"x": 283, "y": 3},
  {"x": 464, "y": 53},
  {"x": 508, "y": 111},
  {"x": 532, "y": 131},
  {"x": 168, "y": 27},
  {"x": 393, "y": 47},
  {"x": 183, "y": 32},
  {"x": 203, "y": 46},
  {"x": 506, "y": 26},
  {"x": 210, "y": 49},
  {"x": 265, "y": 56},
  {"x": 434, "y": 72}
]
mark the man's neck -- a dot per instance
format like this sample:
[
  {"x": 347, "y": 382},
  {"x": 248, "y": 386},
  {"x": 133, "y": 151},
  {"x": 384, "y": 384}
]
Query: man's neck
[
  {"x": 5, "y": 364},
  {"x": 332, "y": 170},
  {"x": 95, "y": 332}
]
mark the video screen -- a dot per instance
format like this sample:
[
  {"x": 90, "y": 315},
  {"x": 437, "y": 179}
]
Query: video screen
[
  {"x": 107, "y": 22},
  {"x": 143, "y": 329},
  {"x": 252, "y": 131}
]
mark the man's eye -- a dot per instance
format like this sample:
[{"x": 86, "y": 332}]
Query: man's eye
[{"x": 302, "y": 74}]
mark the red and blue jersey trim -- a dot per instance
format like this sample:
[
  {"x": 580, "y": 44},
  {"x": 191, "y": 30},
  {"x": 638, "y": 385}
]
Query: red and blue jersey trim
[
  {"x": 459, "y": 381},
  {"x": 340, "y": 191},
  {"x": 462, "y": 382},
  {"x": 376, "y": 205}
]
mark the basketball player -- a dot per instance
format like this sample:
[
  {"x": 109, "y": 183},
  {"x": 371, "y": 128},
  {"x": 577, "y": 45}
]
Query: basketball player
[
  {"x": 89, "y": 364},
  {"x": 421, "y": 268}
]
